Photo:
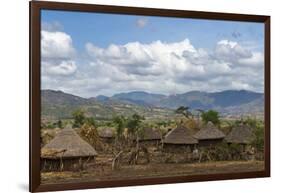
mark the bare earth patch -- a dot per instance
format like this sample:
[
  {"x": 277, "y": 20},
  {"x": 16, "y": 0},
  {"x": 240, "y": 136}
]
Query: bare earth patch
[{"x": 103, "y": 173}]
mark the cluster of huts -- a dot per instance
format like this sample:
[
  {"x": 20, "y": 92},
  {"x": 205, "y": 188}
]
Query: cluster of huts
[
  {"x": 67, "y": 150},
  {"x": 208, "y": 136}
]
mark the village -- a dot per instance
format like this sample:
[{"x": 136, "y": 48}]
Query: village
[{"x": 130, "y": 149}]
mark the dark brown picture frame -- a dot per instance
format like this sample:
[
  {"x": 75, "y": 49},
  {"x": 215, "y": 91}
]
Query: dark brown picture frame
[{"x": 35, "y": 94}]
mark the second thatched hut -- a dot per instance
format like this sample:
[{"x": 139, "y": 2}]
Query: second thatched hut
[
  {"x": 179, "y": 139},
  {"x": 107, "y": 134},
  {"x": 209, "y": 135},
  {"x": 242, "y": 135},
  {"x": 150, "y": 136}
]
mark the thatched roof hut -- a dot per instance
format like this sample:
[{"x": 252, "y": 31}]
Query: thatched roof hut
[
  {"x": 180, "y": 136},
  {"x": 67, "y": 144},
  {"x": 209, "y": 132},
  {"x": 241, "y": 134},
  {"x": 150, "y": 134}
]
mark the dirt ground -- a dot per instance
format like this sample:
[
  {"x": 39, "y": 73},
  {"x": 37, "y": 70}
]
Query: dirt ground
[{"x": 104, "y": 172}]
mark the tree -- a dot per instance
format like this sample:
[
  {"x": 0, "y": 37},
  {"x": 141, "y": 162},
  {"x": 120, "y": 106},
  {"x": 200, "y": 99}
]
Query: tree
[
  {"x": 120, "y": 121},
  {"x": 184, "y": 111},
  {"x": 134, "y": 123},
  {"x": 210, "y": 115},
  {"x": 133, "y": 126},
  {"x": 79, "y": 118}
]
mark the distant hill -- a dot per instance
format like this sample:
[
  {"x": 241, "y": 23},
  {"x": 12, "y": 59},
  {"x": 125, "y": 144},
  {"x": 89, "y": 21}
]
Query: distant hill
[
  {"x": 139, "y": 98},
  {"x": 60, "y": 105},
  {"x": 193, "y": 99},
  {"x": 230, "y": 102},
  {"x": 204, "y": 100}
]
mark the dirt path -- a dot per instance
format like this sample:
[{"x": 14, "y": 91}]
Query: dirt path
[{"x": 151, "y": 170}]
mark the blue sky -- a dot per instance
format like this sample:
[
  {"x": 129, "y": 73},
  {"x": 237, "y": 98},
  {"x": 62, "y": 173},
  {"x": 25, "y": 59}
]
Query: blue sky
[
  {"x": 239, "y": 43},
  {"x": 105, "y": 29}
]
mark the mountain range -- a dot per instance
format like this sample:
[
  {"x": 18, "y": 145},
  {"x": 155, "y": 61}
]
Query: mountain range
[{"x": 228, "y": 102}]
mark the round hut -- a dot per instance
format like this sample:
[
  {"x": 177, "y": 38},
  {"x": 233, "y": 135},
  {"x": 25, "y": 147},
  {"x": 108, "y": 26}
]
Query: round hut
[
  {"x": 242, "y": 135},
  {"x": 67, "y": 151},
  {"x": 107, "y": 134},
  {"x": 150, "y": 137},
  {"x": 209, "y": 135},
  {"x": 179, "y": 139}
]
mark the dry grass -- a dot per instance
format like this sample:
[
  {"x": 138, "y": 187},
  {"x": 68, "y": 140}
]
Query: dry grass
[{"x": 104, "y": 172}]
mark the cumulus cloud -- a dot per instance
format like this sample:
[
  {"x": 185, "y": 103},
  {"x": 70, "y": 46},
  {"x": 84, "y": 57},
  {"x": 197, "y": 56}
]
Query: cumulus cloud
[
  {"x": 179, "y": 67},
  {"x": 57, "y": 52},
  {"x": 156, "y": 58},
  {"x": 56, "y": 45},
  {"x": 229, "y": 50}
]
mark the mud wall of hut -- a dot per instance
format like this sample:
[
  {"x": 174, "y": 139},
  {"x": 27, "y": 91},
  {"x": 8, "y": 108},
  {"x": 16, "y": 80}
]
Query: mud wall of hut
[
  {"x": 69, "y": 164},
  {"x": 178, "y": 148},
  {"x": 209, "y": 142}
]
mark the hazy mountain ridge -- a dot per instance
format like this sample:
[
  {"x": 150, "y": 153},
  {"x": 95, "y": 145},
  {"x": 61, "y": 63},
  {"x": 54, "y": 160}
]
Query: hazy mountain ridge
[
  {"x": 193, "y": 99},
  {"x": 60, "y": 105},
  {"x": 231, "y": 102}
]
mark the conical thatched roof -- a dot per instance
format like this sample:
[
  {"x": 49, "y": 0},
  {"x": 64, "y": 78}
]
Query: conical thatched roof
[
  {"x": 241, "y": 134},
  {"x": 150, "y": 134},
  {"x": 180, "y": 135},
  {"x": 210, "y": 131},
  {"x": 106, "y": 132},
  {"x": 67, "y": 144}
]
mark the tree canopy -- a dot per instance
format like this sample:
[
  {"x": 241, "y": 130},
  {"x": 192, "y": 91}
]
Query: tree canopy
[
  {"x": 79, "y": 118},
  {"x": 120, "y": 122},
  {"x": 211, "y": 115},
  {"x": 184, "y": 111},
  {"x": 133, "y": 123}
]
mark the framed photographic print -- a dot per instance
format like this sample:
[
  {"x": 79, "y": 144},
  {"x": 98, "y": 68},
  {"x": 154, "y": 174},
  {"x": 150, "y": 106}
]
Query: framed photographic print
[{"x": 123, "y": 96}]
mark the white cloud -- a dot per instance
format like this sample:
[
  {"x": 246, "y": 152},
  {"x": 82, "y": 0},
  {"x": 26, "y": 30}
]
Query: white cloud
[
  {"x": 257, "y": 59},
  {"x": 57, "y": 52},
  {"x": 229, "y": 50},
  {"x": 175, "y": 67},
  {"x": 156, "y": 58},
  {"x": 141, "y": 22},
  {"x": 157, "y": 67},
  {"x": 64, "y": 68},
  {"x": 56, "y": 45}
]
